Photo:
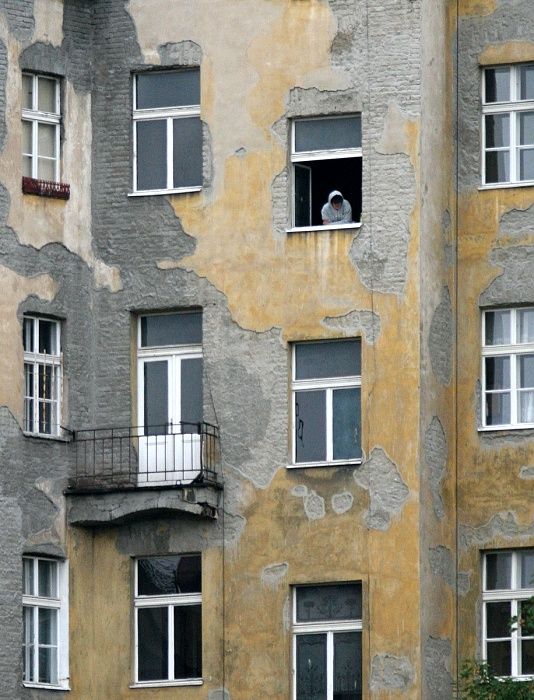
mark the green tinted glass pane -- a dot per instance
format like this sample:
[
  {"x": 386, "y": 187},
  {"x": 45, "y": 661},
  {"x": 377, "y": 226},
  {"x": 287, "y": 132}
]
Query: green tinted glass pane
[
  {"x": 311, "y": 667},
  {"x": 340, "y": 601}
]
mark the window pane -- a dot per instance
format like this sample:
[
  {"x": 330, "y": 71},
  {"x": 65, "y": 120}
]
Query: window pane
[
  {"x": 28, "y": 646},
  {"x": 341, "y": 601},
  {"x": 156, "y": 403},
  {"x": 310, "y": 426},
  {"x": 187, "y": 152},
  {"x": 168, "y": 575},
  {"x": 526, "y": 164},
  {"x": 46, "y": 169},
  {"x": 27, "y": 91},
  {"x": 27, "y": 166},
  {"x": 498, "y": 571},
  {"x": 168, "y": 89},
  {"x": 497, "y": 166},
  {"x": 27, "y": 576},
  {"x": 153, "y": 640},
  {"x": 171, "y": 329},
  {"x": 340, "y": 358},
  {"x": 497, "y": 84},
  {"x": 527, "y": 569},
  {"x": 527, "y": 656},
  {"x": 46, "y": 140},
  {"x": 499, "y": 658},
  {"x": 498, "y": 409},
  {"x": 526, "y": 128},
  {"x": 191, "y": 394},
  {"x": 47, "y": 578},
  {"x": 328, "y": 134},
  {"x": 45, "y": 418},
  {"x": 187, "y": 641},
  {"x": 47, "y": 626},
  {"x": 497, "y": 327},
  {"x": 302, "y": 195},
  {"x": 526, "y": 371},
  {"x": 498, "y": 372},
  {"x": 311, "y": 667},
  {"x": 497, "y": 130},
  {"x": 47, "y": 95},
  {"x": 526, "y": 74},
  {"x": 498, "y": 619},
  {"x": 347, "y": 424},
  {"x": 347, "y": 666},
  {"x": 47, "y": 665},
  {"x": 526, "y": 326},
  {"x": 152, "y": 155},
  {"x": 45, "y": 383},
  {"x": 27, "y": 137}
]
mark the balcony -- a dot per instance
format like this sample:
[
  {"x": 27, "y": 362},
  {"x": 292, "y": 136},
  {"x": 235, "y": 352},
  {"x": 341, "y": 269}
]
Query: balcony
[{"x": 127, "y": 473}]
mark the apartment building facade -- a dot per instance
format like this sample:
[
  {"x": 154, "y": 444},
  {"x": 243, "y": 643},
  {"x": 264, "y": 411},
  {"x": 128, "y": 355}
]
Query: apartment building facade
[{"x": 248, "y": 450}]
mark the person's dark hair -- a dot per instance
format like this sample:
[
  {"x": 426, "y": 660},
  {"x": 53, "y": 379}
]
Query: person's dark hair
[{"x": 337, "y": 199}]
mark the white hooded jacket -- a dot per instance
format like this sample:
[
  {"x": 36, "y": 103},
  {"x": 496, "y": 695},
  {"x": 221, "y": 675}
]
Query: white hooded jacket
[{"x": 343, "y": 215}]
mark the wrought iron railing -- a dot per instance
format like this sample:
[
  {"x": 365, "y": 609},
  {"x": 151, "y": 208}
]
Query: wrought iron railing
[{"x": 144, "y": 456}]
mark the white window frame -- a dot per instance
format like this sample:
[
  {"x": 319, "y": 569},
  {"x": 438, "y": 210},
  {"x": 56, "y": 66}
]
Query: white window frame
[
  {"x": 59, "y": 603},
  {"x": 327, "y": 384},
  {"x": 512, "y": 107},
  {"x": 37, "y": 360},
  {"x": 160, "y": 601},
  {"x": 513, "y": 595},
  {"x": 306, "y": 156},
  {"x": 325, "y": 627},
  {"x": 514, "y": 350},
  {"x": 35, "y": 117},
  {"x": 169, "y": 114}
]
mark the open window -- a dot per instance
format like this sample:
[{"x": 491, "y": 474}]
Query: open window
[{"x": 326, "y": 153}]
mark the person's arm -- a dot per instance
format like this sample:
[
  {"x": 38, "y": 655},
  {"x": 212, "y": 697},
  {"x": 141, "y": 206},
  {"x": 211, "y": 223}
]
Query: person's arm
[
  {"x": 325, "y": 222},
  {"x": 324, "y": 214},
  {"x": 347, "y": 213}
]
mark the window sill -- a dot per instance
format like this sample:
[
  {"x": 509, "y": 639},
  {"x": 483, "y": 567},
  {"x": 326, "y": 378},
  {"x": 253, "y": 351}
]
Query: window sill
[
  {"x": 328, "y": 227},
  {"x": 506, "y": 185},
  {"x": 339, "y": 463},
  {"x": 45, "y": 686},
  {"x": 152, "y": 193},
  {"x": 167, "y": 684},
  {"x": 495, "y": 428},
  {"x": 45, "y": 436}
]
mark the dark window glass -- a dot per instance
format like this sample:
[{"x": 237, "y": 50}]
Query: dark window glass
[
  {"x": 500, "y": 658},
  {"x": 527, "y": 657},
  {"x": 498, "y": 619},
  {"x": 187, "y": 641},
  {"x": 187, "y": 152},
  {"x": 497, "y": 130},
  {"x": 302, "y": 195},
  {"x": 498, "y": 372},
  {"x": 311, "y": 667},
  {"x": 497, "y": 166},
  {"x": 191, "y": 394},
  {"x": 47, "y": 337},
  {"x": 526, "y": 371},
  {"x": 527, "y": 568},
  {"x": 526, "y": 128},
  {"x": 169, "y": 575},
  {"x": 340, "y": 601},
  {"x": 497, "y": 327},
  {"x": 347, "y": 666},
  {"x": 153, "y": 640},
  {"x": 526, "y": 164},
  {"x": 171, "y": 329},
  {"x": 328, "y": 134},
  {"x": 168, "y": 89},
  {"x": 27, "y": 335},
  {"x": 527, "y": 82},
  {"x": 310, "y": 426},
  {"x": 497, "y": 84},
  {"x": 152, "y": 155},
  {"x": 347, "y": 422},
  {"x": 45, "y": 418},
  {"x": 340, "y": 358},
  {"x": 498, "y": 571},
  {"x": 498, "y": 409},
  {"x": 156, "y": 397}
]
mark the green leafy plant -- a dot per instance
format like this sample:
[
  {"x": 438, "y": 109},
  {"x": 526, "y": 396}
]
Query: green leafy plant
[{"x": 477, "y": 682}]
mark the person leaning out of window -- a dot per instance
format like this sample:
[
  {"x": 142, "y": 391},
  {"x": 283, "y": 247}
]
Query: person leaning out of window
[{"x": 337, "y": 210}]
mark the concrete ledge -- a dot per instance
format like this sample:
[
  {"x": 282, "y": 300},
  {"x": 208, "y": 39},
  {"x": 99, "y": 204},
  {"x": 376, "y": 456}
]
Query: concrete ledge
[{"x": 120, "y": 506}]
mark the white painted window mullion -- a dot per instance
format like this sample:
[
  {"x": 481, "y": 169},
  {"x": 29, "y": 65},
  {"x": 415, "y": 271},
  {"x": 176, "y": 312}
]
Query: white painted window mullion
[
  {"x": 170, "y": 160},
  {"x": 170, "y": 643},
  {"x": 329, "y": 425},
  {"x": 330, "y": 665}
]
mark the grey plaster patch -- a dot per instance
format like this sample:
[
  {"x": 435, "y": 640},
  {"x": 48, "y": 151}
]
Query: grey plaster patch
[
  {"x": 309, "y": 102},
  {"x": 45, "y": 58},
  {"x": 464, "y": 582},
  {"x": 435, "y": 452},
  {"x": 181, "y": 53},
  {"x": 314, "y": 506},
  {"x": 387, "y": 491},
  {"x": 442, "y": 564},
  {"x": 389, "y": 672},
  {"x": 437, "y": 668},
  {"x": 342, "y": 502},
  {"x": 20, "y": 18},
  {"x": 501, "y": 525},
  {"x": 219, "y": 694},
  {"x": 526, "y": 473},
  {"x": 355, "y": 322},
  {"x": 440, "y": 339},
  {"x": 515, "y": 284},
  {"x": 517, "y": 223},
  {"x": 272, "y": 575},
  {"x": 299, "y": 491}
]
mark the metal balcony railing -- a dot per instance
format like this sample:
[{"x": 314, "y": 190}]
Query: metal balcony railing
[{"x": 143, "y": 456}]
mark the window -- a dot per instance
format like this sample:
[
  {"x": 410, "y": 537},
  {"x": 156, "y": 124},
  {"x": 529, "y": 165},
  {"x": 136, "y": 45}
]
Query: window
[
  {"x": 508, "y": 124},
  {"x": 508, "y": 584},
  {"x": 327, "y": 642},
  {"x": 327, "y": 155},
  {"x": 508, "y": 367},
  {"x": 168, "y": 620},
  {"x": 42, "y": 376},
  {"x": 45, "y": 622},
  {"x": 40, "y": 127},
  {"x": 170, "y": 396},
  {"x": 326, "y": 402},
  {"x": 167, "y": 131}
]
